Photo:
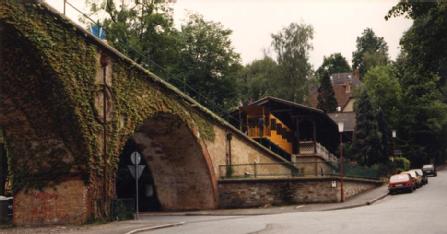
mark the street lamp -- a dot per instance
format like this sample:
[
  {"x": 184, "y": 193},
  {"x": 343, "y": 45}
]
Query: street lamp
[
  {"x": 340, "y": 130},
  {"x": 394, "y": 135}
]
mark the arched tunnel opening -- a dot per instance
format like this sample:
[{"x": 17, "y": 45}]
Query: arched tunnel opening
[
  {"x": 42, "y": 137},
  {"x": 126, "y": 182},
  {"x": 177, "y": 176},
  {"x": 5, "y": 190}
]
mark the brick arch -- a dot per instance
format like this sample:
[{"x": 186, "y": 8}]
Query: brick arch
[
  {"x": 180, "y": 165},
  {"x": 43, "y": 148}
]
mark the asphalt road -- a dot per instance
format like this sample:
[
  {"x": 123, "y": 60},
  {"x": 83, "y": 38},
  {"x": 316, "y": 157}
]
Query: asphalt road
[{"x": 423, "y": 212}]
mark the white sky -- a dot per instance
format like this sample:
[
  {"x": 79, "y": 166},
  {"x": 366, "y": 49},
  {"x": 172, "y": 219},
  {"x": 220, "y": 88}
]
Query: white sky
[{"x": 337, "y": 23}]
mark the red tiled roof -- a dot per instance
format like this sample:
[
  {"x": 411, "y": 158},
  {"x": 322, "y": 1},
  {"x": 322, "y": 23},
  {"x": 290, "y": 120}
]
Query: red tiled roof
[{"x": 339, "y": 81}]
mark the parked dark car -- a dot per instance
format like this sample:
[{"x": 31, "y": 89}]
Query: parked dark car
[
  {"x": 401, "y": 183},
  {"x": 429, "y": 169}
]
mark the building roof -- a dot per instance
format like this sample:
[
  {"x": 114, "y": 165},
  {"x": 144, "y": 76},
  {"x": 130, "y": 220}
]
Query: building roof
[
  {"x": 348, "y": 119},
  {"x": 341, "y": 95},
  {"x": 344, "y": 78},
  {"x": 264, "y": 100},
  {"x": 286, "y": 111},
  {"x": 340, "y": 83}
]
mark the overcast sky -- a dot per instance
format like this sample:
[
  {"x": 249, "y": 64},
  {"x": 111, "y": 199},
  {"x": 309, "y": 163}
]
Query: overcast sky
[{"x": 336, "y": 23}]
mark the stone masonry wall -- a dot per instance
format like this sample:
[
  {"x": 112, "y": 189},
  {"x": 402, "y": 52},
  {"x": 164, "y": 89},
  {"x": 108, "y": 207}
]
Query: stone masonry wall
[
  {"x": 355, "y": 187},
  {"x": 246, "y": 193},
  {"x": 243, "y": 151},
  {"x": 65, "y": 203}
]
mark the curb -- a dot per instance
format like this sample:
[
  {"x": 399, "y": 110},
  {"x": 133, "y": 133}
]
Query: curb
[
  {"x": 367, "y": 203},
  {"x": 370, "y": 202},
  {"x": 154, "y": 227},
  {"x": 376, "y": 199}
]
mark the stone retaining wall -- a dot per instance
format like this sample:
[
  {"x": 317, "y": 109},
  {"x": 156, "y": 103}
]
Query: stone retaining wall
[{"x": 245, "y": 193}]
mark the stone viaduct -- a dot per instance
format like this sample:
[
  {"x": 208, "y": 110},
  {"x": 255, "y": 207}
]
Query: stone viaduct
[{"x": 69, "y": 103}]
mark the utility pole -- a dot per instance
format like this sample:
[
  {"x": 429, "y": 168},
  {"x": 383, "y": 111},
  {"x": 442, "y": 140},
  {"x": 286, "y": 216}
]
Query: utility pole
[{"x": 342, "y": 172}]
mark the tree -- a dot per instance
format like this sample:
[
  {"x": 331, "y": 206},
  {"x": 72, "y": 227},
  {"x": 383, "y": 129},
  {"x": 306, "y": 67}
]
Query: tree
[
  {"x": 367, "y": 143},
  {"x": 292, "y": 45},
  {"x": 335, "y": 63},
  {"x": 371, "y": 51},
  {"x": 259, "y": 79},
  {"x": 384, "y": 91},
  {"x": 208, "y": 63},
  {"x": 423, "y": 118},
  {"x": 326, "y": 95},
  {"x": 422, "y": 72},
  {"x": 143, "y": 30},
  {"x": 385, "y": 132},
  {"x": 425, "y": 43}
]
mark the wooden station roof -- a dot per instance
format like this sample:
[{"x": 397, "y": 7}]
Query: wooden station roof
[{"x": 287, "y": 112}]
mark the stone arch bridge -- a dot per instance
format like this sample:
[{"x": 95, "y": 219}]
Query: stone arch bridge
[{"x": 69, "y": 103}]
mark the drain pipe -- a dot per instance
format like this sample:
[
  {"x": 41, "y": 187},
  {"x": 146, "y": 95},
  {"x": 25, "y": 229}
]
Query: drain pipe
[
  {"x": 104, "y": 63},
  {"x": 229, "y": 136}
]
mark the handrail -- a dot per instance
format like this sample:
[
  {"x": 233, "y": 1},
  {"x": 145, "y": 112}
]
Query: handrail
[
  {"x": 320, "y": 151},
  {"x": 301, "y": 169}
]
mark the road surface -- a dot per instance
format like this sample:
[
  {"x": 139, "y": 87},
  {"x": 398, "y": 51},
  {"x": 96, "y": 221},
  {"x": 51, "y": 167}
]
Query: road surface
[{"x": 423, "y": 211}]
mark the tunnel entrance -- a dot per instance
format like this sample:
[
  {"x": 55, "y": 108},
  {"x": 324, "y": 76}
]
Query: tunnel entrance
[
  {"x": 178, "y": 170},
  {"x": 3, "y": 165},
  {"x": 125, "y": 182}
]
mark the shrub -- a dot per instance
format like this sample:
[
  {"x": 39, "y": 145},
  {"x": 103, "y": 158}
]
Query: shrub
[{"x": 400, "y": 164}]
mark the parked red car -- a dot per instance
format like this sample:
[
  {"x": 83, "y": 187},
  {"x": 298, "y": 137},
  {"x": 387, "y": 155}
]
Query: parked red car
[{"x": 401, "y": 182}]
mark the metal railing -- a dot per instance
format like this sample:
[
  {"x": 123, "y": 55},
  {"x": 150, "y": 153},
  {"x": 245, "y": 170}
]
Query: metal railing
[
  {"x": 275, "y": 170},
  {"x": 357, "y": 171},
  {"x": 122, "y": 209},
  {"x": 301, "y": 169}
]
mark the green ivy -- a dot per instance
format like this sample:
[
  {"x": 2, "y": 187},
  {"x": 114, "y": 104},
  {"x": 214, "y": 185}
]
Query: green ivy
[{"x": 69, "y": 59}]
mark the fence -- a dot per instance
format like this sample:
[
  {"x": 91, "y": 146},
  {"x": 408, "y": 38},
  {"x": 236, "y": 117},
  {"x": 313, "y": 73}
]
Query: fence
[
  {"x": 122, "y": 209},
  {"x": 302, "y": 169},
  {"x": 354, "y": 170}
]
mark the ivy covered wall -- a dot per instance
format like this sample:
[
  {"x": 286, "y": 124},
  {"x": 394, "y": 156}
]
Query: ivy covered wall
[
  {"x": 62, "y": 61},
  {"x": 69, "y": 102}
]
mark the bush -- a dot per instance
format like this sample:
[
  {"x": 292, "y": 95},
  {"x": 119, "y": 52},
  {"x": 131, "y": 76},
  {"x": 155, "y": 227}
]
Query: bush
[{"x": 400, "y": 164}]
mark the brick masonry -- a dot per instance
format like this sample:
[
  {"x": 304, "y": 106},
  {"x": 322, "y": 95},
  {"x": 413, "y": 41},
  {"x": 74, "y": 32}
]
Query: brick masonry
[
  {"x": 178, "y": 162},
  {"x": 237, "y": 193},
  {"x": 185, "y": 173},
  {"x": 65, "y": 203}
]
